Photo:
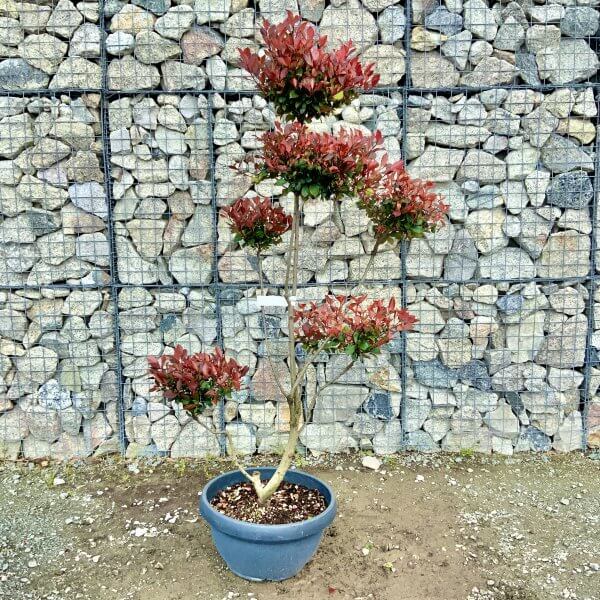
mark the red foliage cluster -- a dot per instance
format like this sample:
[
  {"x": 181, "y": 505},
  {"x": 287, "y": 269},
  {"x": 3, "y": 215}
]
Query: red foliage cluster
[
  {"x": 196, "y": 380},
  {"x": 313, "y": 164},
  {"x": 350, "y": 324},
  {"x": 299, "y": 75},
  {"x": 399, "y": 205},
  {"x": 255, "y": 222}
]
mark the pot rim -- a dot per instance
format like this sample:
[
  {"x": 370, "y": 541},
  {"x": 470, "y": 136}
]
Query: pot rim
[{"x": 266, "y": 532}]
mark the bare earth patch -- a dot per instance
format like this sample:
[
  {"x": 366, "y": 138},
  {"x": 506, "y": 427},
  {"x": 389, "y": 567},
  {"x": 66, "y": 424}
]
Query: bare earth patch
[{"x": 423, "y": 528}]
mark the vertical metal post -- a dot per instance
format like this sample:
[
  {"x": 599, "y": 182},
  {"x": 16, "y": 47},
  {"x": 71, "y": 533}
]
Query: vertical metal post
[
  {"x": 220, "y": 416},
  {"x": 105, "y": 137}
]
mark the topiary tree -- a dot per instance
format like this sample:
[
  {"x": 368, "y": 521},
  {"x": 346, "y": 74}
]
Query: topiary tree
[{"x": 304, "y": 80}]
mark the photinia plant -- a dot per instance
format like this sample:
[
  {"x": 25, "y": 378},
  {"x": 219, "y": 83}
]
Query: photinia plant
[
  {"x": 195, "y": 380},
  {"x": 349, "y": 324},
  {"x": 400, "y": 206},
  {"x": 300, "y": 76},
  {"x": 317, "y": 165},
  {"x": 304, "y": 80},
  {"x": 256, "y": 223}
]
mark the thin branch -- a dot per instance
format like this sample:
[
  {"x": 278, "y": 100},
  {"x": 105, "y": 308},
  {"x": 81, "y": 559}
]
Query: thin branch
[
  {"x": 309, "y": 361},
  {"x": 313, "y": 401},
  {"x": 269, "y": 359},
  {"x": 252, "y": 477},
  {"x": 374, "y": 251},
  {"x": 232, "y": 452}
]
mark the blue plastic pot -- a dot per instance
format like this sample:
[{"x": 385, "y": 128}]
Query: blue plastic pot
[{"x": 266, "y": 552}]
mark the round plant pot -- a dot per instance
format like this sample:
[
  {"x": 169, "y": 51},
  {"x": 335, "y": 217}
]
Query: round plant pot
[{"x": 266, "y": 552}]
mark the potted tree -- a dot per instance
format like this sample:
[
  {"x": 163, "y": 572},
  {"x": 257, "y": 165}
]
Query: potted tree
[{"x": 267, "y": 522}]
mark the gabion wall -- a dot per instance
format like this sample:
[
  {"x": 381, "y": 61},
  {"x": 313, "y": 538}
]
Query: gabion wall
[{"x": 119, "y": 124}]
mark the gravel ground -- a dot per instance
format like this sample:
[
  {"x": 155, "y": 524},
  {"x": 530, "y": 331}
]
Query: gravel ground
[{"x": 419, "y": 528}]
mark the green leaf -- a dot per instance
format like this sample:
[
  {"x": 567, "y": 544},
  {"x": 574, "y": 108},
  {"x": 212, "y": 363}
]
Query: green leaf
[
  {"x": 315, "y": 190},
  {"x": 350, "y": 349}
]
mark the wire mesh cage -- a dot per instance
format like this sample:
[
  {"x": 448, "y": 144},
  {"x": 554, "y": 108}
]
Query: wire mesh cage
[
  {"x": 477, "y": 44},
  {"x": 54, "y": 45},
  {"x": 115, "y": 246}
]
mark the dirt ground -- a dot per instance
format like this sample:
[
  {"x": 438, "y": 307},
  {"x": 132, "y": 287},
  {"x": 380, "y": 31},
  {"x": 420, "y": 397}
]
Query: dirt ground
[{"x": 422, "y": 528}]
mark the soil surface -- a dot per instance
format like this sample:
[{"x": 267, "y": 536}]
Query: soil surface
[
  {"x": 291, "y": 503},
  {"x": 421, "y": 528}
]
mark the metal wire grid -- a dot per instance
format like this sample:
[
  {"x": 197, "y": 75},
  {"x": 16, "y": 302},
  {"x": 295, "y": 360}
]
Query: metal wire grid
[{"x": 196, "y": 441}]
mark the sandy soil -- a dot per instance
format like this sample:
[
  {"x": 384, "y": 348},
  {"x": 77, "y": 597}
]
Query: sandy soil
[{"x": 423, "y": 528}]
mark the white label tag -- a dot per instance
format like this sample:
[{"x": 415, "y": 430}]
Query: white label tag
[{"x": 268, "y": 301}]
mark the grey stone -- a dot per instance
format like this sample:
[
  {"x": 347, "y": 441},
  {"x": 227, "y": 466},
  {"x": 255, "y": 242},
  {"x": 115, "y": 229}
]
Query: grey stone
[
  {"x": 420, "y": 441},
  {"x": 572, "y": 60},
  {"x": 86, "y": 41},
  {"x": 64, "y": 20},
  {"x": 437, "y": 164},
  {"x": 16, "y": 133},
  {"x": 379, "y": 405},
  {"x": 131, "y": 267},
  {"x": 89, "y": 196},
  {"x": 193, "y": 441},
  {"x": 242, "y": 436},
  {"x": 392, "y": 24},
  {"x": 93, "y": 247},
  {"x": 44, "y": 52},
  {"x": 38, "y": 363},
  {"x": 151, "y": 48},
  {"x": 490, "y": 71},
  {"x": 120, "y": 43},
  {"x": 456, "y": 48},
  {"x": 441, "y": 19},
  {"x": 175, "y": 22},
  {"x": 538, "y": 441},
  {"x": 13, "y": 324},
  {"x": 475, "y": 373},
  {"x": 502, "y": 422},
  {"x": 339, "y": 403},
  {"x": 415, "y": 414},
  {"x": 214, "y": 11},
  {"x": 560, "y": 155},
  {"x": 327, "y": 437},
  {"x": 431, "y": 70},
  {"x": 389, "y": 61},
  {"x": 129, "y": 74},
  {"x": 507, "y": 263},
  {"x": 479, "y": 19},
  {"x": 482, "y": 167},
  {"x": 527, "y": 68},
  {"x": 579, "y": 21},
  {"x": 570, "y": 190},
  {"x": 566, "y": 254},
  {"x": 564, "y": 345},
  {"x": 569, "y": 436},
  {"x": 52, "y": 396},
  {"x": 510, "y": 36},
  {"x": 534, "y": 231},
  {"x": 13, "y": 426},
  {"x": 312, "y": 10},
  {"x": 192, "y": 266},
  {"x": 434, "y": 374},
  {"x": 461, "y": 262},
  {"x": 354, "y": 23},
  {"x": 365, "y": 424},
  {"x": 77, "y": 72},
  {"x": 157, "y": 7},
  {"x": 164, "y": 432},
  {"x": 389, "y": 439},
  {"x": 17, "y": 75}
]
